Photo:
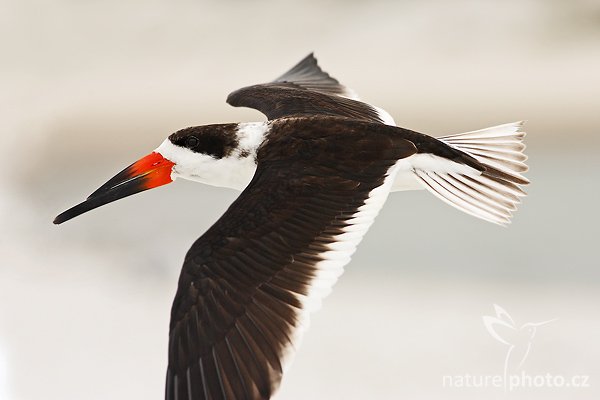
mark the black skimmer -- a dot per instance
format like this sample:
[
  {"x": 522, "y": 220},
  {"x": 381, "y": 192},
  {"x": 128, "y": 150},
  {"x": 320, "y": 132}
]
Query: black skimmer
[{"x": 314, "y": 177}]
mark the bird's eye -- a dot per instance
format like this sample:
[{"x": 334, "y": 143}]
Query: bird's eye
[{"x": 191, "y": 141}]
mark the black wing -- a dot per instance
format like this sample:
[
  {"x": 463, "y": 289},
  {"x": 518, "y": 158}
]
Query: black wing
[
  {"x": 306, "y": 90},
  {"x": 308, "y": 75},
  {"x": 248, "y": 283}
]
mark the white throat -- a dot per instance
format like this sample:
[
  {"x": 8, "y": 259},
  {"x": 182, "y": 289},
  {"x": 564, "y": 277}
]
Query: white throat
[{"x": 233, "y": 171}]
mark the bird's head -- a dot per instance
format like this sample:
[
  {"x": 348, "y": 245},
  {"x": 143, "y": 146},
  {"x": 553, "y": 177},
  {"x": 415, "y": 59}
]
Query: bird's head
[
  {"x": 219, "y": 155},
  {"x": 530, "y": 328}
]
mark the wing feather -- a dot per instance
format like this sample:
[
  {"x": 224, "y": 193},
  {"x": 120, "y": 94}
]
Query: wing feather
[
  {"x": 306, "y": 90},
  {"x": 308, "y": 74},
  {"x": 248, "y": 283}
]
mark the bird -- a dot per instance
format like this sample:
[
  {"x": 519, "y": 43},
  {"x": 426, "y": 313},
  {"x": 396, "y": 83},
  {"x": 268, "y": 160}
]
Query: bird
[
  {"x": 312, "y": 177},
  {"x": 518, "y": 338}
]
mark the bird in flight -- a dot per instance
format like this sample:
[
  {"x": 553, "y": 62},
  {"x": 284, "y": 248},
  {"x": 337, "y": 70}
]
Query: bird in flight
[{"x": 313, "y": 178}]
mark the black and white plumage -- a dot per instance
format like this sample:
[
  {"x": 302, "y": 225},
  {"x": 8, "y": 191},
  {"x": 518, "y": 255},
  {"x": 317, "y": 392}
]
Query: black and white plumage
[
  {"x": 314, "y": 177},
  {"x": 249, "y": 281},
  {"x": 306, "y": 90}
]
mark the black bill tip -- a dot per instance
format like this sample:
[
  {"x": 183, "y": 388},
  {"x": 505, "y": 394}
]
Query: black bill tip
[{"x": 148, "y": 172}]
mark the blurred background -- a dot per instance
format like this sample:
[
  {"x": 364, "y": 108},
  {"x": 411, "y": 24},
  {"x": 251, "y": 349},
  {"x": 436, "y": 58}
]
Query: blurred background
[{"x": 90, "y": 86}]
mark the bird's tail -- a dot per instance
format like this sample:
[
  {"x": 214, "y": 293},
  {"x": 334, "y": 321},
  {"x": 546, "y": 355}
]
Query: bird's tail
[{"x": 493, "y": 194}]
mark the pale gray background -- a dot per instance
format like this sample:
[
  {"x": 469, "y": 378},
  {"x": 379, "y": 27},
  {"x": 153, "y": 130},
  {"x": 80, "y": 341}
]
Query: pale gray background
[{"x": 87, "y": 87}]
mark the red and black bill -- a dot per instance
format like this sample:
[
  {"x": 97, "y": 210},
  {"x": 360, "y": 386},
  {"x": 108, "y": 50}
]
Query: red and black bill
[{"x": 148, "y": 172}]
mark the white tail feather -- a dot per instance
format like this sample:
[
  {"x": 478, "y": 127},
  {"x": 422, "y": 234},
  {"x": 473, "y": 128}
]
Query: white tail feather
[{"x": 493, "y": 194}]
